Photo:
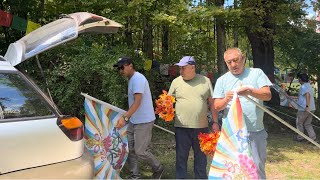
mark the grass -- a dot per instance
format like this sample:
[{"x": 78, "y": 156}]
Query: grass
[{"x": 286, "y": 158}]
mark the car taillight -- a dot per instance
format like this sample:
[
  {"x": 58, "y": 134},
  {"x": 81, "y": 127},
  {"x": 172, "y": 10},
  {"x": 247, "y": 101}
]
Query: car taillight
[{"x": 72, "y": 127}]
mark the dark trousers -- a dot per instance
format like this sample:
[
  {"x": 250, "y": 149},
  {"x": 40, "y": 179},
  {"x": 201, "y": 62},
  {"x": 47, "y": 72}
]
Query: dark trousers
[{"x": 186, "y": 138}]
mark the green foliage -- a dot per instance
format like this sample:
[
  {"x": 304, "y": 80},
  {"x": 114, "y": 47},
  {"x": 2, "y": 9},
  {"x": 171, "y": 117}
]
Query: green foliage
[
  {"x": 82, "y": 68},
  {"x": 85, "y": 65},
  {"x": 299, "y": 48}
]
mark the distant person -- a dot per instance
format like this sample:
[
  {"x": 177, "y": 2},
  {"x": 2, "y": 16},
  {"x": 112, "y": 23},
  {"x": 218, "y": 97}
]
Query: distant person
[
  {"x": 140, "y": 117},
  {"x": 305, "y": 104},
  {"x": 251, "y": 82},
  {"x": 193, "y": 93}
]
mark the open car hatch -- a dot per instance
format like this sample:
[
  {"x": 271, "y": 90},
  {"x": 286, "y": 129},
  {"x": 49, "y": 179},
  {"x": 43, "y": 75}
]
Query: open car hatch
[{"x": 57, "y": 32}]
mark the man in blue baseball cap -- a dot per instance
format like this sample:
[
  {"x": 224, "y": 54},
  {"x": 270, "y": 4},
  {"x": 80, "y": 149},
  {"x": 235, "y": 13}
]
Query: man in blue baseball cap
[
  {"x": 140, "y": 118},
  {"x": 306, "y": 105}
]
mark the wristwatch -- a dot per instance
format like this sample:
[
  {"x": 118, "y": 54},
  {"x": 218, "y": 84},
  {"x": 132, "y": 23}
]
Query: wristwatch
[{"x": 125, "y": 118}]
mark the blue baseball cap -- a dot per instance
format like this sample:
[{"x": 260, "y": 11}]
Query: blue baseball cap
[
  {"x": 186, "y": 60},
  {"x": 122, "y": 61}
]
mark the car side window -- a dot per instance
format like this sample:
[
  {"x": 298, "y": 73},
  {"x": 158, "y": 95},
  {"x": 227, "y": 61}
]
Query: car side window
[{"x": 18, "y": 99}]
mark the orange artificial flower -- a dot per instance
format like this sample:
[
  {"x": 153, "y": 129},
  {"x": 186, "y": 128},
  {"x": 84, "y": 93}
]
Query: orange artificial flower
[
  {"x": 208, "y": 142},
  {"x": 164, "y": 106}
]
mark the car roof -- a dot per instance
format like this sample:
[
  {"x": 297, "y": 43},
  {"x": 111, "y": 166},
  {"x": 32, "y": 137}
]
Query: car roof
[
  {"x": 57, "y": 32},
  {"x": 5, "y": 65}
]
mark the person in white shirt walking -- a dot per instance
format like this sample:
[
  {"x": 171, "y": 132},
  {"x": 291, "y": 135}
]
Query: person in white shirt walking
[
  {"x": 140, "y": 118},
  {"x": 305, "y": 104}
]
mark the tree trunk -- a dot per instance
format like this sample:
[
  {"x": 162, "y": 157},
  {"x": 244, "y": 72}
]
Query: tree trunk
[
  {"x": 235, "y": 32},
  {"x": 261, "y": 39},
  {"x": 127, "y": 30},
  {"x": 128, "y": 33},
  {"x": 263, "y": 54},
  {"x": 165, "y": 41},
  {"x": 221, "y": 40},
  {"x": 260, "y": 34},
  {"x": 147, "y": 37}
]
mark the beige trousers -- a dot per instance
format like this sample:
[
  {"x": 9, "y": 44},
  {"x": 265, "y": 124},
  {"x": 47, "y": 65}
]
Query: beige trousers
[{"x": 304, "y": 120}]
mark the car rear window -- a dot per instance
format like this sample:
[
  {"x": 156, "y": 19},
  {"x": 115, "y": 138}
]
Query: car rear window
[{"x": 18, "y": 98}]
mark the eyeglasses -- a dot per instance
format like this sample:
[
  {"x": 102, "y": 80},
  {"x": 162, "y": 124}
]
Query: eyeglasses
[
  {"x": 235, "y": 60},
  {"x": 121, "y": 67}
]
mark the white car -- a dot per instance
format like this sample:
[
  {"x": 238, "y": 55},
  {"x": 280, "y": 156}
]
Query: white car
[{"x": 36, "y": 141}]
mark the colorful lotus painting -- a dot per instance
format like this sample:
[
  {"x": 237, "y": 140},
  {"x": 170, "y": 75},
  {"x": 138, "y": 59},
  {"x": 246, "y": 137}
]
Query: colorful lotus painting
[
  {"x": 232, "y": 158},
  {"x": 108, "y": 146}
]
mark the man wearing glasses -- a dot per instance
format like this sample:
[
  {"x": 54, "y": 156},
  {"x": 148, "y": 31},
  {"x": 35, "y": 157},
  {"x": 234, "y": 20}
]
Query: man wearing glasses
[
  {"x": 193, "y": 93},
  {"x": 140, "y": 117},
  {"x": 250, "y": 82}
]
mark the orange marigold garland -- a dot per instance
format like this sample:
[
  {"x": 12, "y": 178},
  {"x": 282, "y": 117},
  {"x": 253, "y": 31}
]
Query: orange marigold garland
[
  {"x": 164, "y": 106},
  {"x": 208, "y": 142}
]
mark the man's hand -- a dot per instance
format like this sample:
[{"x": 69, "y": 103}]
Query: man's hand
[
  {"x": 120, "y": 123},
  {"x": 306, "y": 109},
  {"x": 215, "y": 127},
  {"x": 220, "y": 103},
  {"x": 245, "y": 91},
  {"x": 229, "y": 96}
]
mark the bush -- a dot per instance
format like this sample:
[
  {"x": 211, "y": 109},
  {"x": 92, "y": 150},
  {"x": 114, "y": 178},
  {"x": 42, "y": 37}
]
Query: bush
[{"x": 78, "y": 67}]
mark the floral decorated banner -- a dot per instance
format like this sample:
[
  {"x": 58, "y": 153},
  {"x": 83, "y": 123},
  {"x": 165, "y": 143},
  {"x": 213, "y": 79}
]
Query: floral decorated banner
[
  {"x": 232, "y": 158},
  {"x": 107, "y": 145}
]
